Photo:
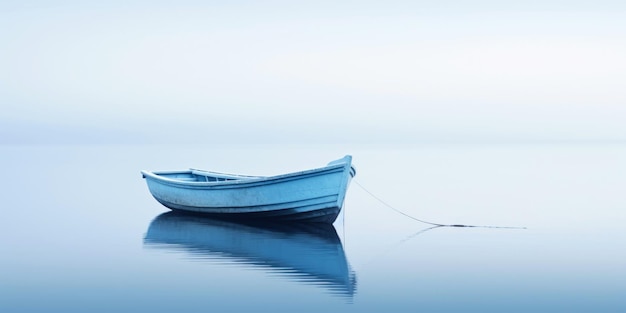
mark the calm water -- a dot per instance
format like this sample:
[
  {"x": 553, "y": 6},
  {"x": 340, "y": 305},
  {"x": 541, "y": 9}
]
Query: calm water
[{"x": 81, "y": 233}]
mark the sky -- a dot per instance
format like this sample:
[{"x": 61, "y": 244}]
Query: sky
[{"x": 316, "y": 72}]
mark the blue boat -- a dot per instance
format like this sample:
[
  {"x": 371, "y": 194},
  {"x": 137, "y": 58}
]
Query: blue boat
[{"x": 315, "y": 195}]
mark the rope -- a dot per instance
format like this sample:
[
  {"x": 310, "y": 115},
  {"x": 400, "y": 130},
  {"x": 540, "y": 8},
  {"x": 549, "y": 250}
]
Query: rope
[{"x": 427, "y": 222}]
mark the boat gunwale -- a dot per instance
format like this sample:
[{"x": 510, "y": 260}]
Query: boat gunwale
[{"x": 240, "y": 180}]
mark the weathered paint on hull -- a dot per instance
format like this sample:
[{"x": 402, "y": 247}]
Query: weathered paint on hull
[
  {"x": 313, "y": 196},
  {"x": 307, "y": 214}
]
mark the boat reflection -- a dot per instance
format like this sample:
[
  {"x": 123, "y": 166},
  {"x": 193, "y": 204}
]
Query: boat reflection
[{"x": 307, "y": 253}]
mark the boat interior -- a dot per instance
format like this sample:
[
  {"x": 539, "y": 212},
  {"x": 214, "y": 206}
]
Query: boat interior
[{"x": 201, "y": 176}]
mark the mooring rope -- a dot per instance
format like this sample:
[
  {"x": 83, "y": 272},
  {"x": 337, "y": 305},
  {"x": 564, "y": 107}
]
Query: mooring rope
[{"x": 423, "y": 221}]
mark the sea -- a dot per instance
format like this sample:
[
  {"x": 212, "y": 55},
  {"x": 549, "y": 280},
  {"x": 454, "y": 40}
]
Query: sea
[{"x": 81, "y": 233}]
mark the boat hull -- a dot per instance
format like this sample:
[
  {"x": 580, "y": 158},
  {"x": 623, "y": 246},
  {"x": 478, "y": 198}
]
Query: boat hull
[{"x": 314, "y": 195}]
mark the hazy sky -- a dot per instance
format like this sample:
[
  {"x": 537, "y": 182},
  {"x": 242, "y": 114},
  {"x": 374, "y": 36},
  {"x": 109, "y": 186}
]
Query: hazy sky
[{"x": 327, "y": 71}]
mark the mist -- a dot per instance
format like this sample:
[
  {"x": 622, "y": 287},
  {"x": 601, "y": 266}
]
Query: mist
[{"x": 277, "y": 72}]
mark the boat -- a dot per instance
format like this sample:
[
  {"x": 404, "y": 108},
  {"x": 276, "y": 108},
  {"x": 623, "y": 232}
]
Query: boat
[
  {"x": 306, "y": 253},
  {"x": 315, "y": 195}
]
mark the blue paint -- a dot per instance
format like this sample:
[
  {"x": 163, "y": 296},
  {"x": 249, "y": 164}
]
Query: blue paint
[{"x": 315, "y": 195}]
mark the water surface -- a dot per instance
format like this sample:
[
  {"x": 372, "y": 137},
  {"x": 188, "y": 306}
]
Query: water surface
[{"x": 80, "y": 232}]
